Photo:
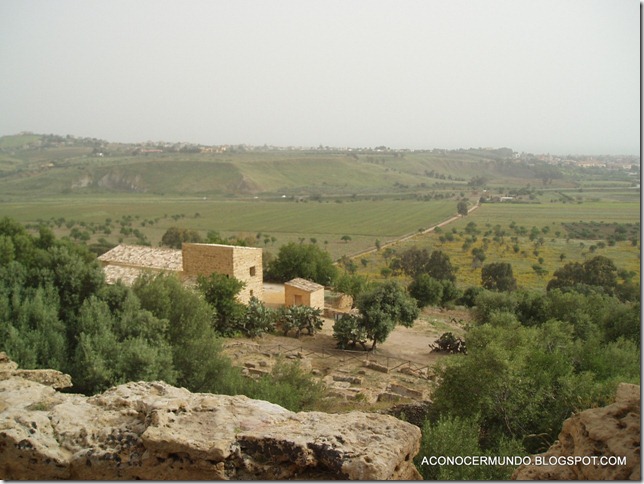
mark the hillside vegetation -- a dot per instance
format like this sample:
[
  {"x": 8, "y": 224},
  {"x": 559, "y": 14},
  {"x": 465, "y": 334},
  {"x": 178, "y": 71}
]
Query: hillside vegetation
[
  {"x": 47, "y": 165},
  {"x": 539, "y": 254},
  {"x": 348, "y": 201}
]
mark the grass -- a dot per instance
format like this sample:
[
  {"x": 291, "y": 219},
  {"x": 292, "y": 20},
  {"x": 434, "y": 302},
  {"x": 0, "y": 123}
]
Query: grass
[
  {"x": 299, "y": 196},
  {"x": 551, "y": 216},
  {"x": 288, "y": 221}
]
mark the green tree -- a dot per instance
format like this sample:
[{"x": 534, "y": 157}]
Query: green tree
[
  {"x": 497, "y": 276},
  {"x": 600, "y": 271},
  {"x": 461, "y": 208},
  {"x": 174, "y": 237},
  {"x": 383, "y": 308},
  {"x": 307, "y": 261},
  {"x": 426, "y": 290},
  {"x": 517, "y": 382},
  {"x": 121, "y": 346},
  {"x": 33, "y": 335},
  {"x": 196, "y": 350},
  {"x": 413, "y": 262},
  {"x": 440, "y": 267},
  {"x": 352, "y": 284},
  {"x": 220, "y": 291}
]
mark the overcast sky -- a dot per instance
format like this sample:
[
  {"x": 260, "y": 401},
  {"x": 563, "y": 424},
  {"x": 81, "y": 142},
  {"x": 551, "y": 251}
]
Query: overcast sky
[{"x": 546, "y": 76}]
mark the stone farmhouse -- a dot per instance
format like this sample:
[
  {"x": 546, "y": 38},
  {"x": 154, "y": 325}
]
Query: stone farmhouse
[{"x": 127, "y": 262}]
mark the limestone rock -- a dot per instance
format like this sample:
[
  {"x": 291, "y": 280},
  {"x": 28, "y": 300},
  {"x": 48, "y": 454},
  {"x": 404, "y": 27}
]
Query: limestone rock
[
  {"x": 144, "y": 430},
  {"x": 608, "y": 431},
  {"x": 52, "y": 378}
]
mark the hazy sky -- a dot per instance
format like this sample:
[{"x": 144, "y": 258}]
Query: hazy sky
[{"x": 557, "y": 76}]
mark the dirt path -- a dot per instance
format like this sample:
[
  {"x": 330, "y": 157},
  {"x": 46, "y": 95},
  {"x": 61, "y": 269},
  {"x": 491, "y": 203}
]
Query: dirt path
[{"x": 406, "y": 237}]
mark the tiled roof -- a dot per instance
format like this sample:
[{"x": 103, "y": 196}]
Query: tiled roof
[
  {"x": 134, "y": 256},
  {"x": 127, "y": 275},
  {"x": 305, "y": 285}
]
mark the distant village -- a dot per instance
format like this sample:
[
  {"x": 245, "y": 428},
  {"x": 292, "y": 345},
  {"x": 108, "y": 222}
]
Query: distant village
[{"x": 100, "y": 148}]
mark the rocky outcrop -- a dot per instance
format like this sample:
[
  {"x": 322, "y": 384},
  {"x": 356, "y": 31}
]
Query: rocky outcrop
[
  {"x": 612, "y": 431},
  {"x": 52, "y": 378},
  {"x": 152, "y": 430}
]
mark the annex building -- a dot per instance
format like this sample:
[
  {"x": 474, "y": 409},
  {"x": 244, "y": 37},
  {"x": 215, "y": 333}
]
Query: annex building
[
  {"x": 301, "y": 292},
  {"x": 127, "y": 262}
]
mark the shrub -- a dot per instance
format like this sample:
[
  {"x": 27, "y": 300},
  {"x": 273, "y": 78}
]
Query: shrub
[{"x": 350, "y": 332}]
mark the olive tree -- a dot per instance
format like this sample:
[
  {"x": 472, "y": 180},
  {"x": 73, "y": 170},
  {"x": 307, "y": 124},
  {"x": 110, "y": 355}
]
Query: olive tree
[{"x": 384, "y": 307}]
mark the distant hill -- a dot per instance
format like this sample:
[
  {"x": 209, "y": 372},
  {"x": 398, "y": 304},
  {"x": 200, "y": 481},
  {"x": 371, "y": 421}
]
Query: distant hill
[{"x": 49, "y": 165}]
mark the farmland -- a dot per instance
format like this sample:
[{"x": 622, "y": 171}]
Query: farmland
[
  {"x": 287, "y": 221},
  {"x": 493, "y": 226},
  {"x": 347, "y": 201}
]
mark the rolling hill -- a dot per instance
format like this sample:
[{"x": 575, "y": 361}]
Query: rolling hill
[{"x": 48, "y": 166}]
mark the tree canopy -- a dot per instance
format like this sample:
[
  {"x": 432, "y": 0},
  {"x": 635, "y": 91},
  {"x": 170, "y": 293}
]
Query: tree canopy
[
  {"x": 384, "y": 307},
  {"x": 498, "y": 276},
  {"x": 175, "y": 236},
  {"x": 307, "y": 261},
  {"x": 599, "y": 272}
]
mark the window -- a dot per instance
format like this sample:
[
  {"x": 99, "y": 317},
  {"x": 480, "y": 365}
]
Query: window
[
  {"x": 298, "y": 299},
  {"x": 252, "y": 271}
]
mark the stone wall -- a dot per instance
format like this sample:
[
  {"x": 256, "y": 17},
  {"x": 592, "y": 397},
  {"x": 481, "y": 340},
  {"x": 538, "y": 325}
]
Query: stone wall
[{"x": 243, "y": 263}]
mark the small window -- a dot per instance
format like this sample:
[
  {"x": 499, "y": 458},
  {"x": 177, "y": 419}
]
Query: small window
[
  {"x": 252, "y": 271},
  {"x": 251, "y": 293},
  {"x": 298, "y": 299}
]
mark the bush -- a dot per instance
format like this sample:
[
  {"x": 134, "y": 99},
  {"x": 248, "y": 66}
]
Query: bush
[
  {"x": 258, "y": 319},
  {"x": 220, "y": 291},
  {"x": 300, "y": 318},
  {"x": 289, "y": 386},
  {"x": 455, "y": 436},
  {"x": 350, "y": 332},
  {"x": 468, "y": 298}
]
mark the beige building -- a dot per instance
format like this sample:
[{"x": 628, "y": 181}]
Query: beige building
[
  {"x": 243, "y": 263},
  {"x": 127, "y": 262},
  {"x": 300, "y": 292}
]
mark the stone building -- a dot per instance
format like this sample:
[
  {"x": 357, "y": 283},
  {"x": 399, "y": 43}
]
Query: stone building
[
  {"x": 243, "y": 263},
  {"x": 300, "y": 292},
  {"x": 127, "y": 262}
]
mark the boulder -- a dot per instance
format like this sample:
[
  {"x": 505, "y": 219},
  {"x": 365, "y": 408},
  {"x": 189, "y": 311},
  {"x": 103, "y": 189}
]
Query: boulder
[
  {"x": 152, "y": 430},
  {"x": 52, "y": 378}
]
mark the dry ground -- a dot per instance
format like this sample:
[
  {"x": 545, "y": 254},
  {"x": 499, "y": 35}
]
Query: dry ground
[{"x": 406, "y": 354}]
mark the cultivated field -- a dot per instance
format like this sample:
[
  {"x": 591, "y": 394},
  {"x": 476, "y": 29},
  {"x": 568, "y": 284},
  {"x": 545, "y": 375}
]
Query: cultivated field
[
  {"x": 343, "y": 200},
  {"x": 558, "y": 240},
  {"x": 365, "y": 221}
]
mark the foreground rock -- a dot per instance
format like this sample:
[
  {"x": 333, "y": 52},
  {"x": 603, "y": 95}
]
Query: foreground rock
[
  {"x": 52, "y": 378},
  {"x": 608, "y": 431},
  {"x": 157, "y": 431}
]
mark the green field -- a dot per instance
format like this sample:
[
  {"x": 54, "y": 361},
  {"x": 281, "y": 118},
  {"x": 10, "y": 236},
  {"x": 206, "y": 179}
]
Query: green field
[
  {"x": 287, "y": 221},
  {"x": 556, "y": 248},
  {"x": 91, "y": 190}
]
